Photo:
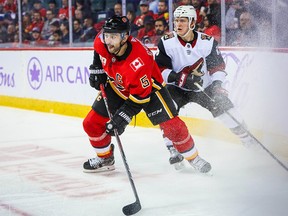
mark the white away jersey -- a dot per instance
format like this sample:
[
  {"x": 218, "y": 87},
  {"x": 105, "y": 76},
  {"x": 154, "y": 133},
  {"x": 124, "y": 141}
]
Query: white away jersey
[{"x": 175, "y": 54}]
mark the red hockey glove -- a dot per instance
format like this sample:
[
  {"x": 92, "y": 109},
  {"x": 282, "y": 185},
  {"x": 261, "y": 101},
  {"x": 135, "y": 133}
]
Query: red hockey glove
[{"x": 97, "y": 77}]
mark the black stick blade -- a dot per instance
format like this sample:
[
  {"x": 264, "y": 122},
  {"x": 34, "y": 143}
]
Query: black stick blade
[{"x": 132, "y": 208}]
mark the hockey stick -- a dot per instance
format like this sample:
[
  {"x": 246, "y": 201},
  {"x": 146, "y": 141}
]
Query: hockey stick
[
  {"x": 247, "y": 131},
  {"x": 132, "y": 208}
]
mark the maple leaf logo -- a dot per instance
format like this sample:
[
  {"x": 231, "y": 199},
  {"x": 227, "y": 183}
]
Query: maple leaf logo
[
  {"x": 34, "y": 73},
  {"x": 136, "y": 64}
]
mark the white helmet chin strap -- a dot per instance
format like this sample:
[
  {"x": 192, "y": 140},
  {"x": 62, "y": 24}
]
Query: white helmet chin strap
[{"x": 189, "y": 27}]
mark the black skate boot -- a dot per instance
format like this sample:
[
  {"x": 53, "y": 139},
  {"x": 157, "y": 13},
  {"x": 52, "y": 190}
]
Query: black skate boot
[{"x": 100, "y": 164}]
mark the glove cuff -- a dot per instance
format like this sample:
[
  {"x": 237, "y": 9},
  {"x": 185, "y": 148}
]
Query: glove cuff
[
  {"x": 97, "y": 71},
  {"x": 173, "y": 76},
  {"x": 217, "y": 83},
  {"x": 125, "y": 116}
]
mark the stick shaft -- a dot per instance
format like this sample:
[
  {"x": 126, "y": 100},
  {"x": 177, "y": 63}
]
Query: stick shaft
[
  {"x": 247, "y": 131},
  {"x": 120, "y": 146}
]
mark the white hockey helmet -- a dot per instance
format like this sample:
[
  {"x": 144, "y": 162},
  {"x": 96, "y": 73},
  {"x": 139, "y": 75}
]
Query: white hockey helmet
[{"x": 186, "y": 11}]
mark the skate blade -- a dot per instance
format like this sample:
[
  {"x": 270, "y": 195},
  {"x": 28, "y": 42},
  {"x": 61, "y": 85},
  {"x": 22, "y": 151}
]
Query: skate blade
[
  {"x": 102, "y": 169},
  {"x": 179, "y": 166}
]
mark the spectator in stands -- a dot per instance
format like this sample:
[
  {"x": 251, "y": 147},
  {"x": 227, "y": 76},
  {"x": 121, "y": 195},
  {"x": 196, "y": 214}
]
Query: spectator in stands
[
  {"x": 84, "y": 7},
  {"x": 64, "y": 10},
  {"x": 36, "y": 38},
  {"x": 118, "y": 9},
  {"x": 52, "y": 5},
  {"x": 161, "y": 28},
  {"x": 144, "y": 10},
  {"x": 3, "y": 34},
  {"x": 163, "y": 10},
  {"x": 25, "y": 6},
  {"x": 16, "y": 39},
  {"x": 77, "y": 30},
  {"x": 145, "y": 34},
  {"x": 10, "y": 6},
  {"x": 247, "y": 34},
  {"x": 89, "y": 32},
  {"x": 9, "y": 18},
  {"x": 26, "y": 21},
  {"x": 55, "y": 38},
  {"x": 232, "y": 18},
  {"x": 64, "y": 27},
  {"x": 198, "y": 5},
  {"x": 37, "y": 7},
  {"x": 79, "y": 16},
  {"x": 258, "y": 11},
  {"x": 50, "y": 16},
  {"x": 213, "y": 8},
  {"x": 11, "y": 30},
  {"x": 134, "y": 28},
  {"x": 36, "y": 22},
  {"x": 210, "y": 28},
  {"x": 54, "y": 26},
  {"x": 233, "y": 14}
]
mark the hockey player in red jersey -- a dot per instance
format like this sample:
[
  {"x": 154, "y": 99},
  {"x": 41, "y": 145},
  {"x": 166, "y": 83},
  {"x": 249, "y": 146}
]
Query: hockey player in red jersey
[
  {"x": 132, "y": 82},
  {"x": 185, "y": 57}
]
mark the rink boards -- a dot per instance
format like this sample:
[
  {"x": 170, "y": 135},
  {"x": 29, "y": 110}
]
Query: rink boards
[{"x": 57, "y": 80}]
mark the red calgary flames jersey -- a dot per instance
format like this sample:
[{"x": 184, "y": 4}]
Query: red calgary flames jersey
[{"x": 133, "y": 76}]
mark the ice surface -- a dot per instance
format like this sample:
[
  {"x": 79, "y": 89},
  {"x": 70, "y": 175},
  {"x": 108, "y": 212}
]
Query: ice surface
[{"x": 41, "y": 157}]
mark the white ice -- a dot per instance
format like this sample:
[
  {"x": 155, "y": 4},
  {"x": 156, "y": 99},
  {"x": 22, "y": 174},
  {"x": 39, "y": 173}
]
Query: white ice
[{"x": 41, "y": 157}]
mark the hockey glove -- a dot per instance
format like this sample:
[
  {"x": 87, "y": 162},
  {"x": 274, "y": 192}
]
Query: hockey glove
[
  {"x": 188, "y": 76},
  {"x": 185, "y": 80},
  {"x": 122, "y": 117},
  {"x": 97, "y": 77},
  {"x": 220, "y": 97},
  {"x": 217, "y": 90}
]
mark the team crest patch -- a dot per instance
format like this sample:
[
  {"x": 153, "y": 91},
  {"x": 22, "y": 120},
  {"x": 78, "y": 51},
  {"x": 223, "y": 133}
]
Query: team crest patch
[
  {"x": 205, "y": 37},
  {"x": 136, "y": 64},
  {"x": 168, "y": 36}
]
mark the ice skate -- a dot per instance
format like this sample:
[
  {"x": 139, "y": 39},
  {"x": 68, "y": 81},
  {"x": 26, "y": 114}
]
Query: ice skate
[
  {"x": 176, "y": 159},
  {"x": 249, "y": 142},
  {"x": 200, "y": 164},
  {"x": 100, "y": 164}
]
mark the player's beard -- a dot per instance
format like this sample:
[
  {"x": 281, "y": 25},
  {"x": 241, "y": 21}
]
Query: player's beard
[{"x": 113, "y": 49}]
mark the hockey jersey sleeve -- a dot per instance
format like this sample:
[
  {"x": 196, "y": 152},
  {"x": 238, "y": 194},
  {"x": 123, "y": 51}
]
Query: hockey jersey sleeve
[
  {"x": 163, "y": 61},
  {"x": 96, "y": 60},
  {"x": 215, "y": 63}
]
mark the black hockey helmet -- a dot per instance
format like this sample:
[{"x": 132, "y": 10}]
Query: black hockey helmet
[{"x": 117, "y": 24}]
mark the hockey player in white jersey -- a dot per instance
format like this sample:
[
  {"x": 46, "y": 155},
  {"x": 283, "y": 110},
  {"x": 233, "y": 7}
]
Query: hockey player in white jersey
[{"x": 186, "y": 56}]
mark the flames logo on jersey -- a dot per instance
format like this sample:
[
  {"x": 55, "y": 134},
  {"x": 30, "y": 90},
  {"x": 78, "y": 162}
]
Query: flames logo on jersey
[
  {"x": 117, "y": 82},
  {"x": 136, "y": 64}
]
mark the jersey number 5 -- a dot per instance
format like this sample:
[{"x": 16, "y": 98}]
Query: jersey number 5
[{"x": 144, "y": 81}]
